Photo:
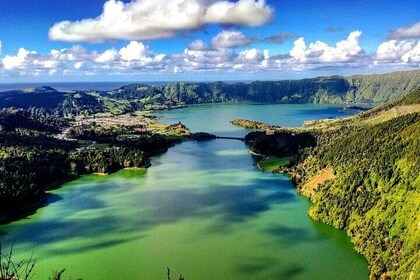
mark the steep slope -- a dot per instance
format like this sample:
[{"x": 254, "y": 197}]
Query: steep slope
[
  {"x": 334, "y": 89},
  {"x": 382, "y": 88},
  {"x": 363, "y": 177},
  {"x": 375, "y": 192},
  {"x": 408, "y": 103}
]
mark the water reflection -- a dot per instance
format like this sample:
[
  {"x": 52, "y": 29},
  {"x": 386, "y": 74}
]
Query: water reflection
[{"x": 202, "y": 208}]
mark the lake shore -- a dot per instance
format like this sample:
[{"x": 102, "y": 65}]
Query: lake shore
[{"x": 245, "y": 163}]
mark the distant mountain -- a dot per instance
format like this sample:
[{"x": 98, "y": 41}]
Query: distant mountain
[
  {"x": 42, "y": 97},
  {"x": 46, "y": 100},
  {"x": 334, "y": 89}
]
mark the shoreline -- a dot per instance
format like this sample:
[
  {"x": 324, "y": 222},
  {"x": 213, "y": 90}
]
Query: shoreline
[
  {"x": 291, "y": 174},
  {"x": 256, "y": 154},
  {"x": 32, "y": 208},
  {"x": 22, "y": 210},
  {"x": 25, "y": 211}
]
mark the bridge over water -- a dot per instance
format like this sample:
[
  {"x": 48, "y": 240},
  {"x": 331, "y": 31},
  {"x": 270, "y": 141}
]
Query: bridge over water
[{"x": 231, "y": 138}]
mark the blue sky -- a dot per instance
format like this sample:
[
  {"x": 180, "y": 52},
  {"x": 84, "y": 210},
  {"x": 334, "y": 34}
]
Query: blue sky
[{"x": 375, "y": 36}]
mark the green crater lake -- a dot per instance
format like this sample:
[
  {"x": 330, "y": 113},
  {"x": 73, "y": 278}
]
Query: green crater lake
[{"x": 203, "y": 209}]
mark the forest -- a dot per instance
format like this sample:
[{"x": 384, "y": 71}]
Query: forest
[
  {"x": 373, "y": 89},
  {"x": 32, "y": 159},
  {"x": 374, "y": 191}
]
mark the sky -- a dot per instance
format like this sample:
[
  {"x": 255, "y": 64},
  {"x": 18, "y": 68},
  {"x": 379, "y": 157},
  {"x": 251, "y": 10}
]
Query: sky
[{"x": 204, "y": 40}]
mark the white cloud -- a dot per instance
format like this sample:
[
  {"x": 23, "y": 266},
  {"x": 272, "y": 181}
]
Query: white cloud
[
  {"x": 413, "y": 55},
  {"x": 145, "y": 19},
  {"x": 205, "y": 58},
  {"x": 11, "y": 62},
  {"x": 198, "y": 45},
  {"x": 299, "y": 50},
  {"x": 280, "y": 37},
  {"x": 229, "y": 39},
  {"x": 199, "y": 56},
  {"x": 134, "y": 51},
  {"x": 177, "y": 70},
  {"x": 320, "y": 52},
  {"x": 49, "y": 64},
  {"x": 252, "y": 54},
  {"x": 135, "y": 56},
  {"x": 411, "y": 32},
  {"x": 139, "y": 19},
  {"x": 78, "y": 65},
  {"x": 394, "y": 51},
  {"x": 107, "y": 56},
  {"x": 243, "y": 12}
]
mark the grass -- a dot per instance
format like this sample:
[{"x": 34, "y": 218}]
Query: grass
[
  {"x": 381, "y": 117},
  {"x": 272, "y": 163},
  {"x": 321, "y": 177},
  {"x": 100, "y": 146}
]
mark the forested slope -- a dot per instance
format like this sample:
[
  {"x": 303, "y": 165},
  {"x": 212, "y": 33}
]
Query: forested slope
[
  {"x": 363, "y": 178},
  {"x": 129, "y": 98},
  {"x": 334, "y": 89},
  {"x": 31, "y": 158},
  {"x": 375, "y": 192}
]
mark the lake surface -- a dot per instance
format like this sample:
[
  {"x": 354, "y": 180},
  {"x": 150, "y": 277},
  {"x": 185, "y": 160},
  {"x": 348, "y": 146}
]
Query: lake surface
[
  {"x": 202, "y": 209},
  {"x": 215, "y": 118}
]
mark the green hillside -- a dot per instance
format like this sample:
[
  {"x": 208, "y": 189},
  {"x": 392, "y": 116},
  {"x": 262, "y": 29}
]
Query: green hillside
[
  {"x": 363, "y": 178},
  {"x": 375, "y": 193},
  {"x": 335, "y": 89},
  {"x": 129, "y": 98}
]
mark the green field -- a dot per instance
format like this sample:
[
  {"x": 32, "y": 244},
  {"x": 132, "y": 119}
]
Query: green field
[{"x": 272, "y": 163}]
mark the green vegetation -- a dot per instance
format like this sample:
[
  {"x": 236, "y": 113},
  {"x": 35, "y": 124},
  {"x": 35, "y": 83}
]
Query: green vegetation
[
  {"x": 281, "y": 144},
  {"x": 364, "y": 179},
  {"x": 130, "y": 98},
  {"x": 361, "y": 173},
  {"x": 375, "y": 193},
  {"x": 101, "y": 134},
  {"x": 273, "y": 163},
  {"x": 48, "y": 101},
  {"x": 249, "y": 124},
  {"x": 10, "y": 269},
  {"x": 411, "y": 98},
  {"x": 335, "y": 89},
  {"x": 31, "y": 158}
]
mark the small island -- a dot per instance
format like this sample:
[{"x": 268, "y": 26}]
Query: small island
[{"x": 249, "y": 124}]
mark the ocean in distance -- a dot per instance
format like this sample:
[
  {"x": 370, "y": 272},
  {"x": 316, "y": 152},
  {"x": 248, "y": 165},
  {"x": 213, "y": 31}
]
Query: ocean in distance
[{"x": 101, "y": 86}]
